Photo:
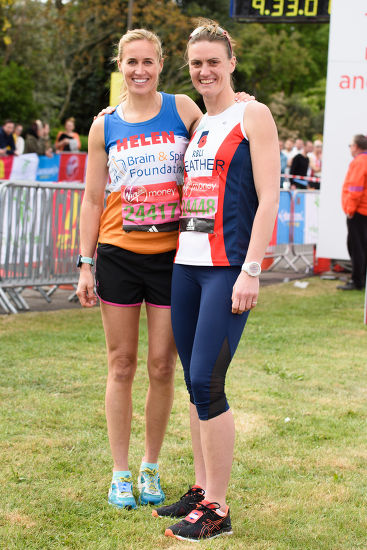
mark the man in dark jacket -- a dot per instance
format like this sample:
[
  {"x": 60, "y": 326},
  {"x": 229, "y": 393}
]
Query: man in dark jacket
[{"x": 7, "y": 145}]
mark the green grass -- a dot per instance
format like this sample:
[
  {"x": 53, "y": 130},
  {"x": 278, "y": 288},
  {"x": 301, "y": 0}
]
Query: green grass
[{"x": 297, "y": 484}]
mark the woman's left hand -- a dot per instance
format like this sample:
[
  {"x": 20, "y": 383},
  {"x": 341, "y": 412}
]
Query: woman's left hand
[
  {"x": 245, "y": 293},
  {"x": 243, "y": 96}
]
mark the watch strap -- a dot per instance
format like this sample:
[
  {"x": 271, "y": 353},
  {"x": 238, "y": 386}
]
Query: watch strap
[{"x": 85, "y": 260}]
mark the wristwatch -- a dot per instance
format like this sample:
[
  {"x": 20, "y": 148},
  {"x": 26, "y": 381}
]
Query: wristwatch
[
  {"x": 84, "y": 260},
  {"x": 252, "y": 268}
]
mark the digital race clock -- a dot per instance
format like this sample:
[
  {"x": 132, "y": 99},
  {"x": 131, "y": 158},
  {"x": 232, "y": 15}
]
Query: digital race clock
[{"x": 281, "y": 11}]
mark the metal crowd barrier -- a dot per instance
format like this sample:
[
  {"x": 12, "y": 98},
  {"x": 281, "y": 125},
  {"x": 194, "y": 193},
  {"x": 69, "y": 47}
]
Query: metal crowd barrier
[
  {"x": 39, "y": 239},
  {"x": 295, "y": 232}
]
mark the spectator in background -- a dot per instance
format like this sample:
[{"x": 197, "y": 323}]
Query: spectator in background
[
  {"x": 316, "y": 159},
  {"x": 354, "y": 204},
  {"x": 7, "y": 145},
  {"x": 283, "y": 163},
  {"x": 46, "y": 135},
  {"x": 300, "y": 167},
  {"x": 288, "y": 152},
  {"x": 298, "y": 147},
  {"x": 68, "y": 140},
  {"x": 310, "y": 147},
  {"x": 312, "y": 184},
  {"x": 18, "y": 139},
  {"x": 34, "y": 141}
]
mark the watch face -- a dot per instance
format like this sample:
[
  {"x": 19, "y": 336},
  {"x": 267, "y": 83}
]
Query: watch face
[{"x": 254, "y": 269}]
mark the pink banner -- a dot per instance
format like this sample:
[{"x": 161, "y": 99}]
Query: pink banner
[
  {"x": 5, "y": 167},
  {"x": 72, "y": 167}
]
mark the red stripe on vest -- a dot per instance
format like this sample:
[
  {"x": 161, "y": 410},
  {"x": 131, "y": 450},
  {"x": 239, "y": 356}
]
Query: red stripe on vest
[{"x": 226, "y": 151}]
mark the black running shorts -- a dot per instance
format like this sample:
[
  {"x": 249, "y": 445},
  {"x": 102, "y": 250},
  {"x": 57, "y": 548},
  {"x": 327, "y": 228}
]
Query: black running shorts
[{"x": 124, "y": 278}]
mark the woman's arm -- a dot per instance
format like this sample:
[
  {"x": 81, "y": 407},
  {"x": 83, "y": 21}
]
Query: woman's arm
[
  {"x": 264, "y": 148},
  {"x": 92, "y": 208},
  {"x": 189, "y": 112}
]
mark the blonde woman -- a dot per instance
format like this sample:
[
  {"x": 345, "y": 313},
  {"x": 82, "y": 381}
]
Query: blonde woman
[
  {"x": 68, "y": 139},
  {"x": 141, "y": 147}
]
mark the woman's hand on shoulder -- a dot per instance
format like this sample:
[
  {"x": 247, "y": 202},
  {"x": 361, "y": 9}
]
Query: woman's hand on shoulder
[
  {"x": 244, "y": 96},
  {"x": 189, "y": 112},
  {"x": 106, "y": 111}
]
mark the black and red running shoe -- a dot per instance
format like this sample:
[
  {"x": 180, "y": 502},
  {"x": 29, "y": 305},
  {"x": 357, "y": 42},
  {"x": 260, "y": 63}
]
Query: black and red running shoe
[
  {"x": 184, "y": 506},
  {"x": 202, "y": 523}
]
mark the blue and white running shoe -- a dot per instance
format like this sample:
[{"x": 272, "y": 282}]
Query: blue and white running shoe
[
  {"x": 150, "y": 487},
  {"x": 120, "y": 494}
]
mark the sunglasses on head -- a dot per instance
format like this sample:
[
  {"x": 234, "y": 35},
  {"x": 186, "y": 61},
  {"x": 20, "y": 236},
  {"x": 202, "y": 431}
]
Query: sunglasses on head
[{"x": 213, "y": 30}]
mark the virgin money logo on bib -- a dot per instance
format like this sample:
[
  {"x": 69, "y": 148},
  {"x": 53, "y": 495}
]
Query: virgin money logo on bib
[
  {"x": 135, "y": 194},
  {"x": 203, "y": 138}
]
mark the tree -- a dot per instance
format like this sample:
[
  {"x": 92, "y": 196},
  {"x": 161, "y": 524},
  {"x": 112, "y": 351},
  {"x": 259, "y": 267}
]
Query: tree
[
  {"x": 294, "y": 117},
  {"x": 66, "y": 46},
  {"x": 16, "y": 98}
]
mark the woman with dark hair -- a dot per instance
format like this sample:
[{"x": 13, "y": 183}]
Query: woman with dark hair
[
  {"x": 229, "y": 206},
  {"x": 34, "y": 142}
]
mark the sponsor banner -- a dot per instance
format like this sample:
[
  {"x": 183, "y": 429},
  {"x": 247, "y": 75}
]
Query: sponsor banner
[
  {"x": 345, "y": 116},
  {"x": 312, "y": 206},
  {"x": 299, "y": 219},
  {"x": 72, "y": 167},
  {"x": 68, "y": 167},
  {"x": 305, "y": 217},
  {"x": 6, "y": 164},
  {"x": 24, "y": 167},
  {"x": 65, "y": 216},
  {"x": 48, "y": 168},
  {"x": 284, "y": 217}
]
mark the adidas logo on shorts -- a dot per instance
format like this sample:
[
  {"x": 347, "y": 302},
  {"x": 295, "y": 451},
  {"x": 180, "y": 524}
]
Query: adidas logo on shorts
[{"x": 190, "y": 225}]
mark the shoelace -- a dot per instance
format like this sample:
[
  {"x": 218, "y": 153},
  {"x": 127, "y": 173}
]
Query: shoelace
[
  {"x": 124, "y": 484},
  {"x": 193, "y": 492},
  {"x": 151, "y": 479},
  {"x": 210, "y": 506}
]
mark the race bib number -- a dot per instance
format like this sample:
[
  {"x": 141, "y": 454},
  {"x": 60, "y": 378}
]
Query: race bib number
[
  {"x": 199, "y": 204},
  {"x": 153, "y": 208}
]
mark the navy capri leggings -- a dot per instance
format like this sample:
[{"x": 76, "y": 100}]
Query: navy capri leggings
[{"x": 206, "y": 331}]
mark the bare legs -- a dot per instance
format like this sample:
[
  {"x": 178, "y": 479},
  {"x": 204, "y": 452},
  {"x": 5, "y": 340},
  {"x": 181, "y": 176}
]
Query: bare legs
[
  {"x": 212, "y": 444},
  {"x": 121, "y": 326},
  {"x": 162, "y": 357}
]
